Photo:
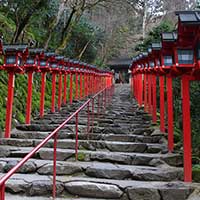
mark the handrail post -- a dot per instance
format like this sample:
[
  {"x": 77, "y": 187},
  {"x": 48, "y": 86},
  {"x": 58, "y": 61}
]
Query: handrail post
[
  {"x": 88, "y": 119},
  {"x": 54, "y": 164},
  {"x": 92, "y": 114},
  {"x": 42, "y": 95},
  {"x": 53, "y": 92},
  {"x": 60, "y": 91},
  {"x": 76, "y": 145},
  {"x": 2, "y": 191},
  {"x": 98, "y": 104},
  {"x": 29, "y": 97},
  {"x": 185, "y": 83}
]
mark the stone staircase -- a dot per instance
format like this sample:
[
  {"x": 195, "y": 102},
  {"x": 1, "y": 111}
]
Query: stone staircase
[{"x": 125, "y": 158}]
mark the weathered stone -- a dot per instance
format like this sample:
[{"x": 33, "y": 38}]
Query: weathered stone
[
  {"x": 174, "y": 160},
  {"x": 175, "y": 193},
  {"x": 16, "y": 142},
  {"x": 27, "y": 167},
  {"x": 126, "y": 147},
  {"x": 61, "y": 154},
  {"x": 2, "y": 165},
  {"x": 44, "y": 188},
  {"x": 4, "y": 152},
  {"x": 65, "y": 169},
  {"x": 195, "y": 195},
  {"x": 125, "y": 159},
  {"x": 155, "y": 148},
  {"x": 17, "y": 186},
  {"x": 157, "y": 162},
  {"x": 143, "y": 194},
  {"x": 91, "y": 189},
  {"x": 110, "y": 172}
]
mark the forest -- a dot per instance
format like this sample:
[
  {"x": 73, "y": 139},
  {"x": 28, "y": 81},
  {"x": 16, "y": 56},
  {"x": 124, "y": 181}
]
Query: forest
[{"x": 92, "y": 31}]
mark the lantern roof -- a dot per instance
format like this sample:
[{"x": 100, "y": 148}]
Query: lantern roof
[
  {"x": 189, "y": 17},
  {"x": 49, "y": 54},
  {"x": 59, "y": 57},
  {"x": 169, "y": 36},
  {"x": 156, "y": 46},
  {"x": 35, "y": 51},
  {"x": 15, "y": 47}
]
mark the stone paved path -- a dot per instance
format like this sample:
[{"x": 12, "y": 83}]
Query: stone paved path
[{"x": 126, "y": 158}]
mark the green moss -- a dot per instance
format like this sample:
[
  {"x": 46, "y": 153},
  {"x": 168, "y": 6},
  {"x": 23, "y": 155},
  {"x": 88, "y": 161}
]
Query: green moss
[
  {"x": 81, "y": 156},
  {"x": 196, "y": 173}
]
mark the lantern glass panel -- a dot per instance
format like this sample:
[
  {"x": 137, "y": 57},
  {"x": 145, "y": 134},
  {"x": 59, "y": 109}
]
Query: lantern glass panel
[
  {"x": 158, "y": 63},
  {"x": 10, "y": 59},
  {"x": 53, "y": 65},
  {"x": 198, "y": 52},
  {"x": 19, "y": 61},
  {"x": 185, "y": 56},
  {"x": 151, "y": 64},
  {"x": 168, "y": 61},
  {"x": 30, "y": 61},
  {"x": 43, "y": 63},
  {"x": 60, "y": 66}
]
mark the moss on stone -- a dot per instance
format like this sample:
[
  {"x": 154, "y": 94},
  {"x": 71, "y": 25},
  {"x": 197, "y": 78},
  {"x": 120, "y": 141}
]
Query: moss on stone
[
  {"x": 196, "y": 173},
  {"x": 81, "y": 156}
]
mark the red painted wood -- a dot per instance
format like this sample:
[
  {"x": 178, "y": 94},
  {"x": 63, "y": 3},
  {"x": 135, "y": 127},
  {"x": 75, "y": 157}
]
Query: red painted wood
[
  {"x": 170, "y": 114},
  {"x": 162, "y": 104},
  {"x": 60, "y": 91},
  {"x": 11, "y": 85},
  {"x": 65, "y": 90},
  {"x": 29, "y": 97},
  {"x": 186, "y": 129},
  {"x": 154, "y": 99},
  {"x": 53, "y": 95},
  {"x": 42, "y": 95},
  {"x": 71, "y": 89}
]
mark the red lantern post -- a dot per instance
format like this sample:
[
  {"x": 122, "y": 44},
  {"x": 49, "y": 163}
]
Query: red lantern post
[
  {"x": 13, "y": 56},
  {"x": 44, "y": 68},
  {"x": 31, "y": 66}
]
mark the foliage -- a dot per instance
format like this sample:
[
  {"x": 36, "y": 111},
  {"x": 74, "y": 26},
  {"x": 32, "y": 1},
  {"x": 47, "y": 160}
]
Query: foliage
[{"x": 154, "y": 35}]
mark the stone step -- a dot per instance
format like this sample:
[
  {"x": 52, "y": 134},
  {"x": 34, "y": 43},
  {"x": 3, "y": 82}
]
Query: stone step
[
  {"x": 114, "y": 146},
  {"x": 37, "y": 185},
  {"x": 49, "y": 127},
  {"x": 94, "y": 136},
  {"x": 101, "y": 156},
  {"x": 68, "y": 197},
  {"x": 95, "y": 169}
]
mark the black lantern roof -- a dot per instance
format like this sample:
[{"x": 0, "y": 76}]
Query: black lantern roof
[
  {"x": 66, "y": 59},
  {"x": 145, "y": 54},
  {"x": 156, "y": 46},
  {"x": 59, "y": 57},
  {"x": 15, "y": 47},
  {"x": 50, "y": 54},
  {"x": 35, "y": 51},
  {"x": 169, "y": 36},
  {"x": 189, "y": 17}
]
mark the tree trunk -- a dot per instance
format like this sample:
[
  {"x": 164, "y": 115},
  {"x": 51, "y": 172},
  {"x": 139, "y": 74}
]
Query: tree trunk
[
  {"x": 83, "y": 50},
  {"x": 23, "y": 23},
  {"x": 144, "y": 20},
  {"x": 54, "y": 24}
]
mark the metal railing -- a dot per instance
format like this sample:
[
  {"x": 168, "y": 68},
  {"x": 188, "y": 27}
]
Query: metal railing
[{"x": 103, "y": 98}]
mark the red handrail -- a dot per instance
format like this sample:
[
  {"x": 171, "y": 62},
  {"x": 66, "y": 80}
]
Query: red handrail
[{"x": 41, "y": 144}]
